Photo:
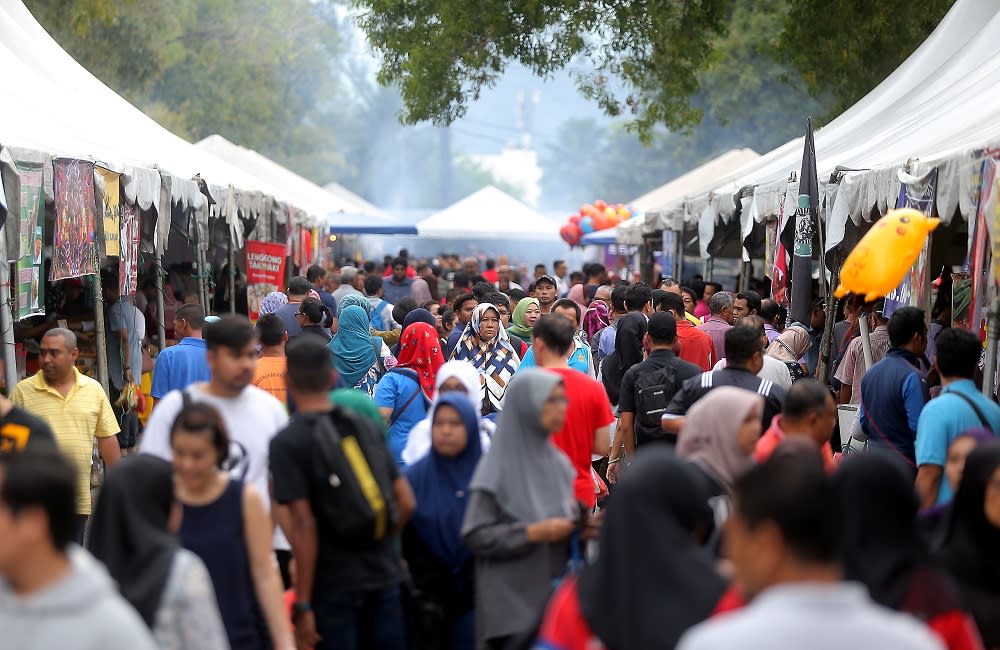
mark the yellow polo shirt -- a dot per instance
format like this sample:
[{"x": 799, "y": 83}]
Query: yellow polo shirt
[{"x": 85, "y": 412}]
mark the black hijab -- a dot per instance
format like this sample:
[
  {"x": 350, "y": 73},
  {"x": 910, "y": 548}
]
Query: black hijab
[
  {"x": 128, "y": 530},
  {"x": 971, "y": 543},
  {"x": 881, "y": 544},
  {"x": 628, "y": 339},
  {"x": 650, "y": 566}
]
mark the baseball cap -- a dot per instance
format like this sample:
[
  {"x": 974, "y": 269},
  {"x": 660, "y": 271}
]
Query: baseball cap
[
  {"x": 662, "y": 327},
  {"x": 546, "y": 278}
]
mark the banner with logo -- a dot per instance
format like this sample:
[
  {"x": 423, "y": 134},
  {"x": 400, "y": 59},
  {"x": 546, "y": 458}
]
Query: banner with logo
[
  {"x": 112, "y": 210},
  {"x": 265, "y": 272},
  {"x": 31, "y": 222}
]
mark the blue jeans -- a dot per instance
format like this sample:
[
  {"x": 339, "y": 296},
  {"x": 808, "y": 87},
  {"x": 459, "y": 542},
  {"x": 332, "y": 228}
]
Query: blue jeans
[{"x": 355, "y": 620}]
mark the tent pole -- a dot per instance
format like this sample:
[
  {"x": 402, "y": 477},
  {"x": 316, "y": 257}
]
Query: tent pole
[
  {"x": 990, "y": 366},
  {"x": 99, "y": 334},
  {"x": 161, "y": 327},
  {"x": 866, "y": 339},
  {"x": 7, "y": 315},
  {"x": 232, "y": 274}
]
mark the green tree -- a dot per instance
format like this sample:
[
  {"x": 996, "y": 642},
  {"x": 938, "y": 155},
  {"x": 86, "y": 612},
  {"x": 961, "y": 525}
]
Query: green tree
[
  {"x": 258, "y": 72},
  {"x": 442, "y": 53},
  {"x": 844, "y": 48}
]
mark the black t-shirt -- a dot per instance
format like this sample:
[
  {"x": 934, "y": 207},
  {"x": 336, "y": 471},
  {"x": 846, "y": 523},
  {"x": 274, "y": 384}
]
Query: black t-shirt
[
  {"x": 697, "y": 387},
  {"x": 657, "y": 360},
  {"x": 21, "y": 430},
  {"x": 337, "y": 569}
]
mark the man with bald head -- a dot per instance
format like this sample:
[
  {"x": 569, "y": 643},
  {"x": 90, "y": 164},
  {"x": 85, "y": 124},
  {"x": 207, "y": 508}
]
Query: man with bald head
[{"x": 75, "y": 407}]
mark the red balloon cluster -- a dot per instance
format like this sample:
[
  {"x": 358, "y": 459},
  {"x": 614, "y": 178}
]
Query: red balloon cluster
[{"x": 598, "y": 215}]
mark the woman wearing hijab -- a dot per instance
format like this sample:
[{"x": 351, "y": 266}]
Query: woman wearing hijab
[
  {"x": 958, "y": 451},
  {"x": 453, "y": 377},
  {"x": 419, "y": 315},
  {"x": 595, "y": 319},
  {"x": 718, "y": 438},
  {"x": 310, "y": 318},
  {"x": 134, "y": 533},
  {"x": 789, "y": 347},
  {"x": 420, "y": 291},
  {"x": 883, "y": 549},
  {"x": 636, "y": 596},
  {"x": 521, "y": 511},
  {"x": 973, "y": 537},
  {"x": 404, "y": 393},
  {"x": 525, "y": 315},
  {"x": 442, "y": 567},
  {"x": 486, "y": 345},
  {"x": 359, "y": 357},
  {"x": 576, "y": 294}
]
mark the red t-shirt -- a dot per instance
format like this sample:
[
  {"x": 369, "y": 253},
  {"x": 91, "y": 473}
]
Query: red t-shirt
[
  {"x": 564, "y": 627},
  {"x": 696, "y": 346},
  {"x": 587, "y": 411},
  {"x": 772, "y": 438},
  {"x": 491, "y": 276}
]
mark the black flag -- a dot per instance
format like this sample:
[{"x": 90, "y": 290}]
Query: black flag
[{"x": 800, "y": 235}]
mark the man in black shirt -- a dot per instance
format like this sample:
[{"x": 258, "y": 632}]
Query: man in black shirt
[
  {"x": 647, "y": 389},
  {"x": 744, "y": 359},
  {"x": 20, "y": 430},
  {"x": 342, "y": 592}
]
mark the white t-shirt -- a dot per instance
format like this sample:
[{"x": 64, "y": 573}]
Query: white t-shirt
[
  {"x": 774, "y": 371},
  {"x": 251, "y": 419}
]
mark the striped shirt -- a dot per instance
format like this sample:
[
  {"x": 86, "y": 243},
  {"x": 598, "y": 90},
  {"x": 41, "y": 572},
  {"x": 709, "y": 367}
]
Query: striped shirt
[{"x": 75, "y": 420}]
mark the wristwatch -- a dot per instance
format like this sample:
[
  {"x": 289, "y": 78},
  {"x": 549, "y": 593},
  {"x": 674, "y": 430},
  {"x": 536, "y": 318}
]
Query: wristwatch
[{"x": 298, "y": 609}]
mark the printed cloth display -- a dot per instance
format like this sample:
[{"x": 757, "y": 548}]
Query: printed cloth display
[{"x": 74, "y": 247}]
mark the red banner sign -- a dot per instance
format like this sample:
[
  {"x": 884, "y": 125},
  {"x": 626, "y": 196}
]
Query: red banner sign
[{"x": 265, "y": 272}]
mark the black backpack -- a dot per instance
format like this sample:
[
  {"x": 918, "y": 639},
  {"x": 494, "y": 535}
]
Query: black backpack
[
  {"x": 352, "y": 496},
  {"x": 653, "y": 393},
  {"x": 612, "y": 374}
]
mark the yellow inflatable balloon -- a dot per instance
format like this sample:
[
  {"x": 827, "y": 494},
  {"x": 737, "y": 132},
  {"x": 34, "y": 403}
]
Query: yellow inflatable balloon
[{"x": 885, "y": 254}]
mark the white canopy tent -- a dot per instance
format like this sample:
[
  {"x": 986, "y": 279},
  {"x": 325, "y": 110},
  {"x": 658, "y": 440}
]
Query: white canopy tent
[
  {"x": 941, "y": 108},
  {"x": 653, "y": 204},
  {"x": 294, "y": 189},
  {"x": 489, "y": 214},
  {"x": 55, "y": 107}
]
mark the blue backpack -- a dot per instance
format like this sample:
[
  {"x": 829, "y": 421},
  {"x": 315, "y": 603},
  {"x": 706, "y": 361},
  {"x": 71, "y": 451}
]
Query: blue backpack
[{"x": 375, "y": 315}]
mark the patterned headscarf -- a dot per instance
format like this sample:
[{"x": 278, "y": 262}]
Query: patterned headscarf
[
  {"x": 356, "y": 300},
  {"x": 495, "y": 360},
  {"x": 272, "y": 302},
  {"x": 597, "y": 318},
  {"x": 420, "y": 351}
]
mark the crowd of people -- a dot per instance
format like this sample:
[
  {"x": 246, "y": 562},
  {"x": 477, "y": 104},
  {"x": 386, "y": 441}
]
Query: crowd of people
[{"x": 439, "y": 454}]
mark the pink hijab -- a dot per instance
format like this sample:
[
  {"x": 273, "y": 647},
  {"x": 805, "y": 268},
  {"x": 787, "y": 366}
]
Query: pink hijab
[
  {"x": 576, "y": 295},
  {"x": 791, "y": 345},
  {"x": 708, "y": 437}
]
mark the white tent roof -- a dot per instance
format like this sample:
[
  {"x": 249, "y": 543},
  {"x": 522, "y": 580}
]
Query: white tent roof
[
  {"x": 364, "y": 207},
  {"x": 488, "y": 214},
  {"x": 293, "y": 188},
  {"x": 55, "y": 106},
  {"x": 937, "y": 108},
  {"x": 698, "y": 180}
]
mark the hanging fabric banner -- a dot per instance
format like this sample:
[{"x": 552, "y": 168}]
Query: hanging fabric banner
[
  {"x": 30, "y": 298},
  {"x": 779, "y": 267},
  {"x": 112, "y": 210},
  {"x": 128, "y": 268},
  {"x": 74, "y": 247},
  {"x": 265, "y": 272},
  {"x": 914, "y": 290}
]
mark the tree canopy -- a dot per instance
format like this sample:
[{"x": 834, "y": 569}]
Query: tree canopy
[{"x": 442, "y": 53}]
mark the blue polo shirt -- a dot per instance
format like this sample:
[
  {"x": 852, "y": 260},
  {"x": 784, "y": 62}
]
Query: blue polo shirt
[
  {"x": 578, "y": 360},
  {"x": 893, "y": 393},
  {"x": 179, "y": 366},
  {"x": 947, "y": 416}
]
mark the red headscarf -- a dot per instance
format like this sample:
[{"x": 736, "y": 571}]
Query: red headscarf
[{"x": 420, "y": 351}]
